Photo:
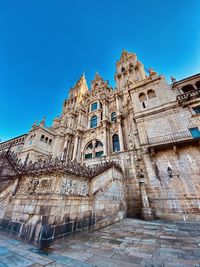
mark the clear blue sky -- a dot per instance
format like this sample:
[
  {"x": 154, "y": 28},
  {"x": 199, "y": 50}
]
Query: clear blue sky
[{"x": 45, "y": 45}]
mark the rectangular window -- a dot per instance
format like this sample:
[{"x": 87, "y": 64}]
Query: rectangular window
[
  {"x": 94, "y": 106},
  {"x": 195, "y": 132},
  {"x": 99, "y": 154},
  {"x": 197, "y": 110},
  {"x": 88, "y": 156}
]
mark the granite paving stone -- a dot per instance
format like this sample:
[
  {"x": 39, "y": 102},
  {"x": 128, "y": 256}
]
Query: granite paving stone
[
  {"x": 38, "y": 259},
  {"x": 128, "y": 243},
  {"x": 5, "y": 251},
  {"x": 14, "y": 260}
]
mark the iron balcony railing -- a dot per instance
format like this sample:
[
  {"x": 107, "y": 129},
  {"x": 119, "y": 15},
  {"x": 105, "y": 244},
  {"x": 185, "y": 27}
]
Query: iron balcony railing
[
  {"x": 188, "y": 96},
  {"x": 170, "y": 138}
]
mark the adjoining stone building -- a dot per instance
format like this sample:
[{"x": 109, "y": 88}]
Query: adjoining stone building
[{"x": 148, "y": 127}]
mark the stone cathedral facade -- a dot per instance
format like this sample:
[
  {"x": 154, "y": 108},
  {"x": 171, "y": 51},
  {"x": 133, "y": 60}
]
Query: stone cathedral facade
[{"x": 150, "y": 128}]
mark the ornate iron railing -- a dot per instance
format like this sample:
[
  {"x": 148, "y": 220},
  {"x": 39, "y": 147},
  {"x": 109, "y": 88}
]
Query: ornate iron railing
[
  {"x": 170, "y": 138},
  {"x": 188, "y": 96}
]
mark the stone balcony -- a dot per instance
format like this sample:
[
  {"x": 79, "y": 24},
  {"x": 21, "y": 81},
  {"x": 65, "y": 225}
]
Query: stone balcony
[
  {"x": 172, "y": 139},
  {"x": 182, "y": 98}
]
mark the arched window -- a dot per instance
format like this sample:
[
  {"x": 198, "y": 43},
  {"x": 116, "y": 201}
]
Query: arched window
[
  {"x": 98, "y": 144},
  {"x": 197, "y": 85},
  {"x": 42, "y": 138},
  {"x": 187, "y": 88},
  {"x": 90, "y": 146},
  {"x": 142, "y": 97},
  {"x": 151, "y": 94},
  {"x": 94, "y": 149},
  {"x": 93, "y": 122},
  {"x": 46, "y": 139},
  {"x": 116, "y": 145},
  {"x": 123, "y": 69},
  {"x": 113, "y": 116},
  {"x": 50, "y": 141}
]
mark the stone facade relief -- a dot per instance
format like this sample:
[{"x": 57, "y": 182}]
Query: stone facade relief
[
  {"x": 36, "y": 185},
  {"x": 70, "y": 187}
]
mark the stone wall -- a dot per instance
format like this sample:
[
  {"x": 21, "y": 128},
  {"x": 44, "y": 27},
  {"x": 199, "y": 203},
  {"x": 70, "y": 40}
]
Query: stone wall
[
  {"x": 175, "y": 196},
  {"x": 48, "y": 207},
  {"x": 127, "y": 160}
]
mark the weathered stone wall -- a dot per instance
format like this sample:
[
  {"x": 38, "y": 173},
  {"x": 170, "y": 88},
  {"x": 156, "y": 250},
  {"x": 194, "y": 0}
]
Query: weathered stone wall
[
  {"x": 127, "y": 160},
  {"x": 176, "y": 196},
  {"x": 48, "y": 207}
]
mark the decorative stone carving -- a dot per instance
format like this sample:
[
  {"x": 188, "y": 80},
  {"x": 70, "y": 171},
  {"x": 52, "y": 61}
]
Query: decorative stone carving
[
  {"x": 71, "y": 187},
  {"x": 44, "y": 184},
  {"x": 33, "y": 182},
  {"x": 50, "y": 165}
]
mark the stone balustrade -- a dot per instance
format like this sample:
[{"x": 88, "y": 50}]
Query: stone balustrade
[
  {"x": 170, "y": 138},
  {"x": 188, "y": 96}
]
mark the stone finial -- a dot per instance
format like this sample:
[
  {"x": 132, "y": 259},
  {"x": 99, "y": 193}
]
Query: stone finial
[
  {"x": 151, "y": 72},
  {"x": 34, "y": 124},
  {"x": 173, "y": 79},
  {"x": 42, "y": 123},
  {"x": 97, "y": 76}
]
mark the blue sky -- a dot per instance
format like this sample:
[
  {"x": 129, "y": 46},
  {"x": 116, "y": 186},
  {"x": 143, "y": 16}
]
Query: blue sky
[{"x": 45, "y": 45}]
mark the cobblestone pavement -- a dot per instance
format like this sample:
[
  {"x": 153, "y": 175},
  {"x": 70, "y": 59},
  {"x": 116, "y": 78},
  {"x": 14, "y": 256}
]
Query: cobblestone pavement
[{"x": 128, "y": 243}]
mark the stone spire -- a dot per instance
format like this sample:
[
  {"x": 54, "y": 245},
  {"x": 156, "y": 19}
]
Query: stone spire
[
  {"x": 127, "y": 55},
  {"x": 98, "y": 82},
  {"x": 80, "y": 88},
  {"x": 128, "y": 69},
  {"x": 43, "y": 121}
]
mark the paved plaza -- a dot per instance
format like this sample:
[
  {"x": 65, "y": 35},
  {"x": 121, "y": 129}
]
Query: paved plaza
[{"x": 126, "y": 243}]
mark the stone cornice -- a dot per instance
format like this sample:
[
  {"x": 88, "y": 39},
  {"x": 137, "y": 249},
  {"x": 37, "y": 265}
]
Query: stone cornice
[{"x": 148, "y": 113}]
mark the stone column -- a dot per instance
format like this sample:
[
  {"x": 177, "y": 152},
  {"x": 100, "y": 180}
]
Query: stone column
[
  {"x": 104, "y": 110},
  {"x": 66, "y": 143},
  {"x": 65, "y": 148},
  {"x": 117, "y": 104},
  {"x": 78, "y": 158},
  {"x": 121, "y": 140},
  {"x": 80, "y": 119},
  {"x": 75, "y": 147},
  {"x": 146, "y": 211},
  {"x": 70, "y": 122},
  {"x": 93, "y": 149},
  {"x": 105, "y": 140}
]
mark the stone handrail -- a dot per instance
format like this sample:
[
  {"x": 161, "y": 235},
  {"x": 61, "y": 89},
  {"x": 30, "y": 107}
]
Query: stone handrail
[{"x": 180, "y": 136}]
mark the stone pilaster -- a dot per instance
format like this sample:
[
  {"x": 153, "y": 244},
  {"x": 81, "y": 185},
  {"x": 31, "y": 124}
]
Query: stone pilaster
[
  {"x": 75, "y": 147},
  {"x": 146, "y": 211},
  {"x": 104, "y": 110},
  {"x": 121, "y": 139},
  {"x": 117, "y": 105},
  {"x": 105, "y": 139}
]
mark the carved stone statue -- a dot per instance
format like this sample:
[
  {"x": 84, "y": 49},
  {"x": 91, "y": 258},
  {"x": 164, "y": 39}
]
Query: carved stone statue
[{"x": 32, "y": 185}]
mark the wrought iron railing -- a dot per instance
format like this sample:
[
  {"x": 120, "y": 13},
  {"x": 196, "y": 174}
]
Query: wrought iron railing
[
  {"x": 180, "y": 136},
  {"x": 188, "y": 96}
]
